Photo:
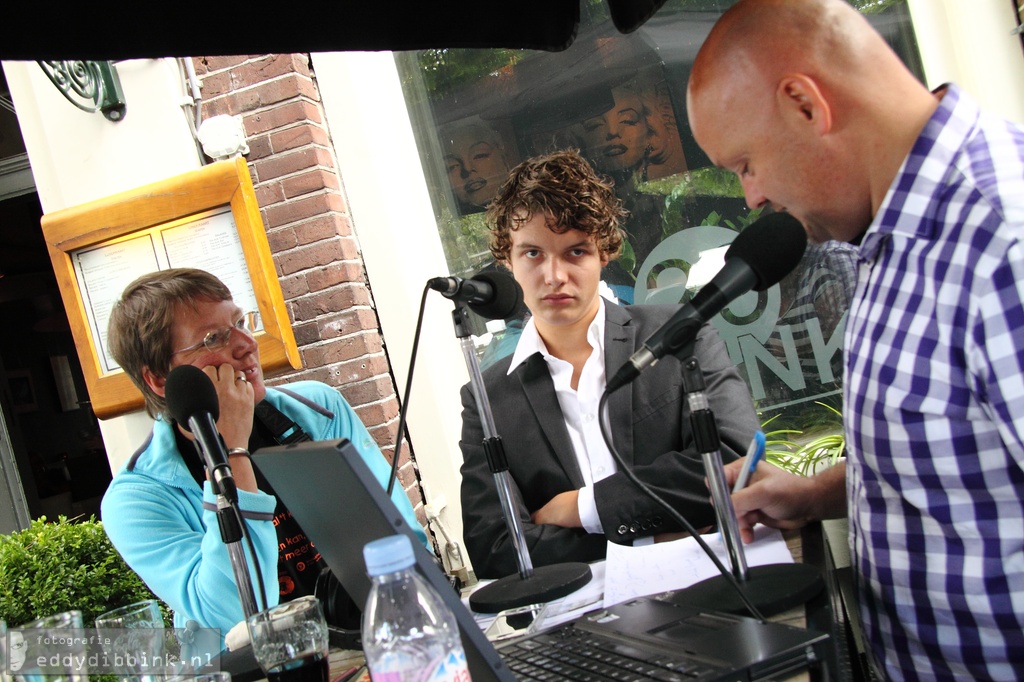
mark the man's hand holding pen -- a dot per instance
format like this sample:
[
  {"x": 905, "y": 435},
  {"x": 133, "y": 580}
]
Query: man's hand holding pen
[{"x": 777, "y": 498}]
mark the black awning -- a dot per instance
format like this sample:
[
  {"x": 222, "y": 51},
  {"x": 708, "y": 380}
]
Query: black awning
[{"x": 35, "y": 30}]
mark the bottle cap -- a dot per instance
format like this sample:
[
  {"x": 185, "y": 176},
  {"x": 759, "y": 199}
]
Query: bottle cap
[
  {"x": 495, "y": 326},
  {"x": 388, "y": 555}
]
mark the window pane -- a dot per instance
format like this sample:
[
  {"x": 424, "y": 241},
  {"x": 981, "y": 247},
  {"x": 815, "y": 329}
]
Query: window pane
[{"x": 620, "y": 100}]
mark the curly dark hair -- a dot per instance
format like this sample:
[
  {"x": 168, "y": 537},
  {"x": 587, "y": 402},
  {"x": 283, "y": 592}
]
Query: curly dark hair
[{"x": 567, "y": 188}]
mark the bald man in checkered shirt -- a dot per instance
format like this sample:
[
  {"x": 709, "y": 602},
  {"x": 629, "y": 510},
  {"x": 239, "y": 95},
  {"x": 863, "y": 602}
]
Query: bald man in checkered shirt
[{"x": 806, "y": 103}]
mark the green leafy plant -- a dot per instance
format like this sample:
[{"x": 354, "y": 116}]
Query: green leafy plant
[
  {"x": 788, "y": 449},
  {"x": 741, "y": 222},
  {"x": 51, "y": 567},
  {"x": 687, "y": 197}
]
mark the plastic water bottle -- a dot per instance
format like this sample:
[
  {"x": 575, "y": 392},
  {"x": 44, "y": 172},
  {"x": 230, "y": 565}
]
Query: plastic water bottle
[{"x": 408, "y": 633}]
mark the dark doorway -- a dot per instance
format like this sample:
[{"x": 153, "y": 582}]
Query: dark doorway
[{"x": 52, "y": 458}]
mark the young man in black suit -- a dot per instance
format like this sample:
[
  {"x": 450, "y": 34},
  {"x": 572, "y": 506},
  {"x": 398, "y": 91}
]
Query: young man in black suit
[{"x": 555, "y": 225}]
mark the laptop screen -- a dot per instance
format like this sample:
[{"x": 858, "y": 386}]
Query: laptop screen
[{"x": 341, "y": 506}]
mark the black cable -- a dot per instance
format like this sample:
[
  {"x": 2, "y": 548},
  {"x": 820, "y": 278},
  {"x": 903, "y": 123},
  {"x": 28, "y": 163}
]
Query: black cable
[
  {"x": 1019, "y": 30},
  {"x": 252, "y": 551},
  {"x": 676, "y": 516},
  {"x": 405, "y": 396}
]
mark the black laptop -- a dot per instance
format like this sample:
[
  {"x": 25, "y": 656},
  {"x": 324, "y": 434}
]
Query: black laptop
[{"x": 341, "y": 506}]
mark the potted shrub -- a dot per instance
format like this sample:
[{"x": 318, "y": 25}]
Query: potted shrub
[{"x": 52, "y": 567}]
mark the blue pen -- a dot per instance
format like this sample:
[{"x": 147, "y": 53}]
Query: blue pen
[{"x": 754, "y": 454}]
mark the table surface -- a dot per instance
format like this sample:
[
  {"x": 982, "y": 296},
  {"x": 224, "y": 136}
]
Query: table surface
[{"x": 344, "y": 662}]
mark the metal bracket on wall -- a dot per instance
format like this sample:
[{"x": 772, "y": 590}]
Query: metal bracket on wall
[{"x": 90, "y": 86}]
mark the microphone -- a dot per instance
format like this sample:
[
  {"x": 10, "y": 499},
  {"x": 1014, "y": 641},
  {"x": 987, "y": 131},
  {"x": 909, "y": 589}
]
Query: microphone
[
  {"x": 493, "y": 295},
  {"x": 758, "y": 258},
  {"x": 192, "y": 400}
]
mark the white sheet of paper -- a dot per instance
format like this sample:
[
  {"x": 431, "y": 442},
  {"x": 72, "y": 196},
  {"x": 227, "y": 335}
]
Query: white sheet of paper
[{"x": 632, "y": 572}]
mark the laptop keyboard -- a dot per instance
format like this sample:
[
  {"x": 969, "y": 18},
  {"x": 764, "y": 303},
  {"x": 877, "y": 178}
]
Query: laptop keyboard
[{"x": 572, "y": 654}]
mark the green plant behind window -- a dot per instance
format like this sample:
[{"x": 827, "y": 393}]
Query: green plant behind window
[
  {"x": 787, "y": 448},
  {"x": 50, "y": 568}
]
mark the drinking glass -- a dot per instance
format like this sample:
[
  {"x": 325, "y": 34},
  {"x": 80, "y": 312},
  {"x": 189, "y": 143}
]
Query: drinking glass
[
  {"x": 4, "y": 672},
  {"x": 290, "y": 643},
  {"x": 14, "y": 649},
  {"x": 133, "y": 638},
  {"x": 56, "y": 648}
]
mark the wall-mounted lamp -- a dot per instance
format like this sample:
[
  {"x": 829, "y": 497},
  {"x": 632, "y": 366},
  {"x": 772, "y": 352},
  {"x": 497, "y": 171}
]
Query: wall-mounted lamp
[
  {"x": 90, "y": 86},
  {"x": 223, "y": 137}
]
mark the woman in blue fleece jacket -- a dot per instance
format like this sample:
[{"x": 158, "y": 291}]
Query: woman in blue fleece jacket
[{"x": 159, "y": 510}]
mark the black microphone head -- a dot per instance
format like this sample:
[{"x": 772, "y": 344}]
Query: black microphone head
[
  {"x": 772, "y": 246},
  {"x": 508, "y": 295},
  {"x": 189, "y": 391}
]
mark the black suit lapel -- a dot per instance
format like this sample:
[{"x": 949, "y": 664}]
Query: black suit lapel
[
  {"x": 540, "y": 393},
  {"x": 619, "y": 345}
]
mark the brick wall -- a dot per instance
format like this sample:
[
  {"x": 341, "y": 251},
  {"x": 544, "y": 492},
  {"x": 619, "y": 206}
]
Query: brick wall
[{"x": 316, "y": 253}]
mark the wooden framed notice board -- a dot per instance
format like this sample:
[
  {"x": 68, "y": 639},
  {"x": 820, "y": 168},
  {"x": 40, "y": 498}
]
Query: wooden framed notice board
[{"x": 206, "y": 219}]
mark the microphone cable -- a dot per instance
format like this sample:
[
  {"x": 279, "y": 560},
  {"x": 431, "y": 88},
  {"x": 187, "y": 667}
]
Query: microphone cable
[
  {"x": 243, "y": 527},
  {"x": 404, "y": 407},
  {"x": 676, "y": 516},
  {"x": 252, "y": 552},
  {"x": 506, "y": 296}
]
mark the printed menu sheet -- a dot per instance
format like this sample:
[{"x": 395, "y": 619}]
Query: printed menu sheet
[{"x": 209, "y": 242}]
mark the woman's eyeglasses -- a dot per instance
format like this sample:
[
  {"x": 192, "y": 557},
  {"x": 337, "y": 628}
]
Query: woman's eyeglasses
[{"x": 248, "y": 323}]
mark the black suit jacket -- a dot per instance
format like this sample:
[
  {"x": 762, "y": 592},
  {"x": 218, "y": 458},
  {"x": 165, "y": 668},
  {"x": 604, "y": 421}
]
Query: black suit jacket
[{"x": 650, "y": 426}]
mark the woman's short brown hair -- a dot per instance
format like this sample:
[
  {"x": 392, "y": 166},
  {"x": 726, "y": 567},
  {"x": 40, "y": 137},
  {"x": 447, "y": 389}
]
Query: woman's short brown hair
[
  {"x": 139, "y": 329},
  {"x": 567, "y": 188}
]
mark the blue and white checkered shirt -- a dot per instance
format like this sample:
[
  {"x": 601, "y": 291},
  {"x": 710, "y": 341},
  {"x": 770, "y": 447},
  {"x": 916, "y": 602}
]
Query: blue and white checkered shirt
[{"x": 934, "y": 403}]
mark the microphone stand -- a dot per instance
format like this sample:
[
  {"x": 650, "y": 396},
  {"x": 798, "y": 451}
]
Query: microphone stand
[
  {"x": 531, "y": 585},
  {"x": 231, "y": 533},
  {"x": 222, "y": 484},
  {"x": 705, "y": 436},
  {"x": 772, "y": 588}
]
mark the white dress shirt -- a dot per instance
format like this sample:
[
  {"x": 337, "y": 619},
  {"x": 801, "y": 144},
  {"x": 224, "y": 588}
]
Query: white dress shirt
[{"x": 579, "y": 409}]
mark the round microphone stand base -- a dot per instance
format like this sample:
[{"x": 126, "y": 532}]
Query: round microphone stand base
[
  {"x": 773, "y": 588},
  {"x": 546, "y": 583}
]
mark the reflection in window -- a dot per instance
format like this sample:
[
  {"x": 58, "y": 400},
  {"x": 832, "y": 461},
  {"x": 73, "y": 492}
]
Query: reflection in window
[{"x": 620, "y": 100}]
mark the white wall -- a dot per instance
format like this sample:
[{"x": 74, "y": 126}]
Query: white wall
[
  {"x": 78, "y": 157},
  {"x": 393, "y": 219},
  {"x": 970, "y": 44}
]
